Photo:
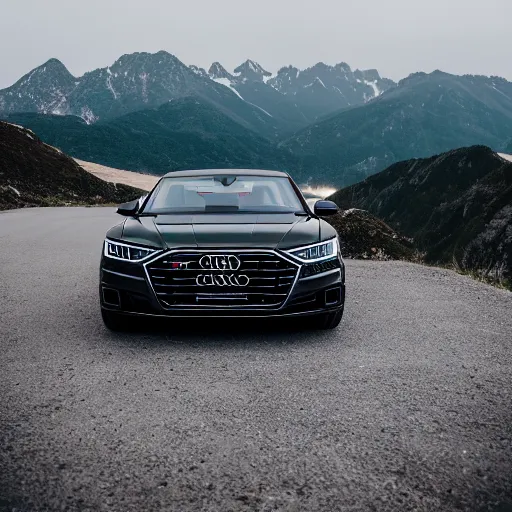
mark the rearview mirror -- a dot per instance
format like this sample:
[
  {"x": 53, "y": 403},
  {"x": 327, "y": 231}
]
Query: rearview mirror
[
  {"x": 128, "y": 209},
  {"x": 325, "y": 208}
]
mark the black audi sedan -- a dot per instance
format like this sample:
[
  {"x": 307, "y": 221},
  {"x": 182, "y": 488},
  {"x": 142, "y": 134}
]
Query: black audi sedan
[{"x": 223, "y": 243}]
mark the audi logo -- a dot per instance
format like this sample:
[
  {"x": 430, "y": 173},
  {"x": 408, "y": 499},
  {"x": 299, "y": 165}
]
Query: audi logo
[
  {"x": 222, "y": 280},
  {"x": 220, "y": 262}
]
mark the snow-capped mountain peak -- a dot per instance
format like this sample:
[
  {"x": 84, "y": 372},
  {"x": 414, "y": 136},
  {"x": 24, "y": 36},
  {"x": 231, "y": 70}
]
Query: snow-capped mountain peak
[
  {"x": 217, "y": 70},
  {"x": 370, "y": 75},
  {"x": 199, "y": 71},
  {"x": 44, "y": 89},
  {"x": 51, "y": 71},
  {"x": 251, "y": 70},
  {"x": 326, "y": 85}
]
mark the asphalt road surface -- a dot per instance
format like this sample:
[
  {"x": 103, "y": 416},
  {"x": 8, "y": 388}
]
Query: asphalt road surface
[{"x": 405, "y": 406}]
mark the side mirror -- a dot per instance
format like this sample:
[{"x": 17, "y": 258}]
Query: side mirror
[
  {"x": 325, "y": 208},
  {"x": 129, "y": 209}
]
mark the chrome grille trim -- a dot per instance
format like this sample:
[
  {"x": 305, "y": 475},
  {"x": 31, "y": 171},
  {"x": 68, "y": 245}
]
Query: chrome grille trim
[{"x": 286, "y": 281}]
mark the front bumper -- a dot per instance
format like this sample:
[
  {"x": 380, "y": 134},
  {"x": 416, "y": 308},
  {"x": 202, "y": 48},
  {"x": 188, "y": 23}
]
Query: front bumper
[{"x": 126, "y": 288}]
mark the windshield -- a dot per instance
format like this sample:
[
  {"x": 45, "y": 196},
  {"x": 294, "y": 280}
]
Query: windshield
[{"x": 224, "y": 194}]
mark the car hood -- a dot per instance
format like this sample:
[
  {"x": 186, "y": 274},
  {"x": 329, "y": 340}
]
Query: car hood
[{"x": 281, "y": 231}]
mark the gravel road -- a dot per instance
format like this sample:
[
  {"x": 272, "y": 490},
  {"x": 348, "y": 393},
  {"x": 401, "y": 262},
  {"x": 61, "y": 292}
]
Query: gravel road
[{"x": 405, "y": 406}]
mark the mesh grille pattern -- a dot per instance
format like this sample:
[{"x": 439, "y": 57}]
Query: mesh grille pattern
[{"x": 255, "y": 279}]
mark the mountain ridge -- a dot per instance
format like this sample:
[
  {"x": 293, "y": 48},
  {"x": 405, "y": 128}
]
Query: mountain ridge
[
  {"x": 147, "y": 80},
  {"x": 133, "y": 82},
  {"x": 181, "y": 134},
  {"x": 426, "y": 114},
  {"x": 456, "y": 205}
]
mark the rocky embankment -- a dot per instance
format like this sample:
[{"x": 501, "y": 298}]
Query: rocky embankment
[{"x": 364, "y": 236}]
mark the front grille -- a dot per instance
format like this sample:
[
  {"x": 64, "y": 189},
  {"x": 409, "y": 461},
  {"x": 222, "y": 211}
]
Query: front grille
[{"x": 175, "y": 279}]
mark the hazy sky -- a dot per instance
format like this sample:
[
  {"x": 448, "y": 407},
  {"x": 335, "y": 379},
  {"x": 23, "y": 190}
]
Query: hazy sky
[{"x": 397, "y": 37}]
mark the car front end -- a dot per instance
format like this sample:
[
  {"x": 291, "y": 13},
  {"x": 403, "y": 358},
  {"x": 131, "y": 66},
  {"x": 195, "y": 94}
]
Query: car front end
[{"x": 234, "y": 263}]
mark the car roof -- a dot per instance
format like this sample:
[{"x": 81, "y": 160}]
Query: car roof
[{"x": 224, "y": 172}]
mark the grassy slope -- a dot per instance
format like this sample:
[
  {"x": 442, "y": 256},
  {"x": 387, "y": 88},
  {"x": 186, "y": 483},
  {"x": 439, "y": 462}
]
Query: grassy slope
[{"x": 35, "y": 174}]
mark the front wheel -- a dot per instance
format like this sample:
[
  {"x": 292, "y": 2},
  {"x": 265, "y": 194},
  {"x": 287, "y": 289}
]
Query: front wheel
[
  {"x": 115, "y": 321},
  {"x": 327, "y": 321}
]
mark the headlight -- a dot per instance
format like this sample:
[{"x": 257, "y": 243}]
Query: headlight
[
  {"x": 316, "y": 252},
  {"x": 125, "y": 252}
]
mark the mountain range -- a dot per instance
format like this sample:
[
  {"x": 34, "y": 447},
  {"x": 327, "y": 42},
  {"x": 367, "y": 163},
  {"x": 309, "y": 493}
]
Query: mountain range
[
  {"x": 269, "y": 105},
  {"x": 426, "y": 114},
  {"x": 315, "y": 91},
  {"x": 325, "y": 124},
  {"x": 457, "y": 206}
]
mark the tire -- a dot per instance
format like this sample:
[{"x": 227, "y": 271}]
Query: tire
[
  {"x": 327, "y": 321},
  {"x": 115, "y": 321}
]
